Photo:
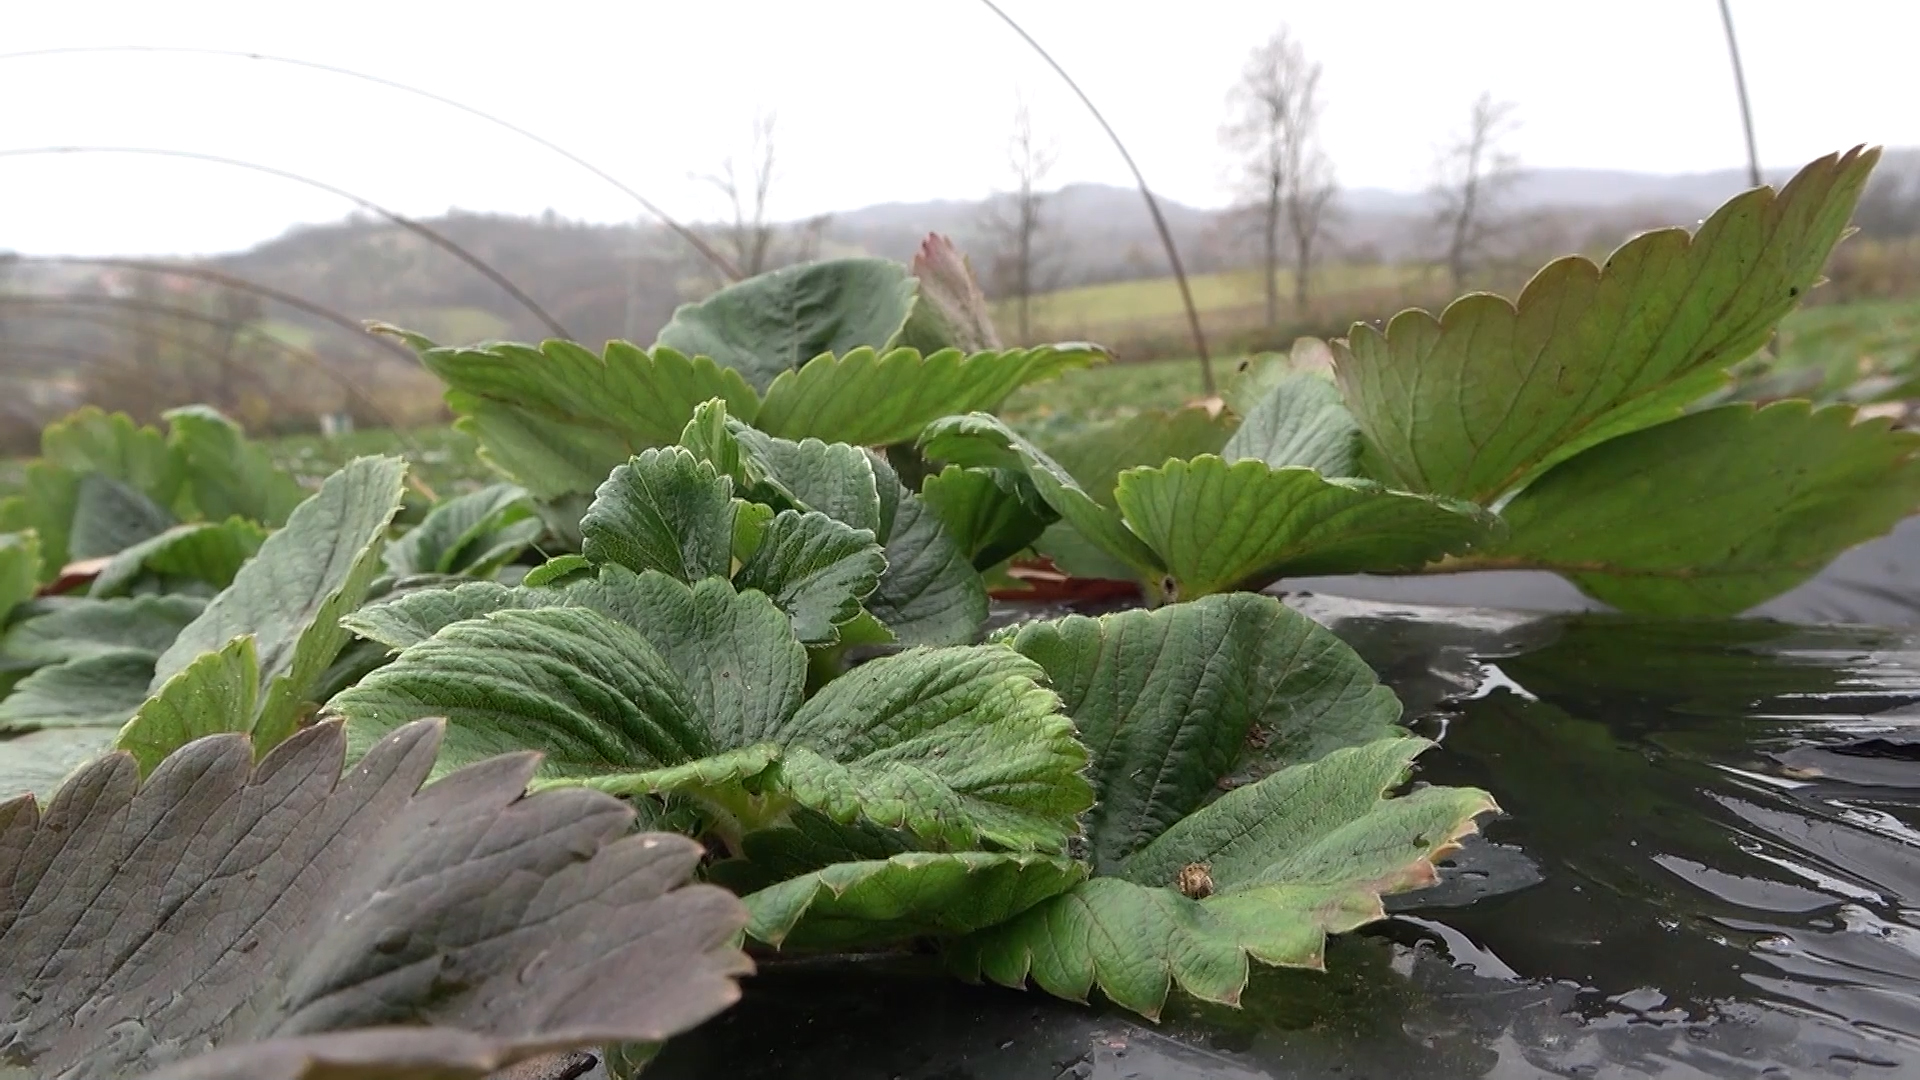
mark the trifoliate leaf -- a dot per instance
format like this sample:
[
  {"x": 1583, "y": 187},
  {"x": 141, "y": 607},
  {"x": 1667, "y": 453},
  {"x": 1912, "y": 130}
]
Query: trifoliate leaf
[
  {"x": 816, "y": 569},
  {"x": 930, "y": 594},
  {"x": 915, "y": 895},
  {"x": 588, "y": 692},
  {"x": 1300, "y": 421},
  {"x": 1316, "y": 847},
  {"x": 226, "y": 476},
  {"x": 302, "y": 922},
  {"x": 472, "y": 534},
  {"x": 1217, "y": 526},
  {"x": 90, "y": 627},
  {"x": 558, "y": 417},
  {"x": 291, "y": 595},
  {"x": 19, "y": 570},
  {"x": 983, "y": 440},
  {"x": 665, "y": 510},
  {"x": 955, "y": 745},
  {"x": 1477, "y": 402},
  {"x": 992, "y": 514},
  {"x": 206, "y": 552},
  {"x": 780, "y": 320},
  {"x": 1169, "y": 701},
  {"x": 836, "y": 479},
  {"x": 109, "y": 516},
  {"x": 218, "y": 693},
  {"x": 1095, "y": 455},
  {"x": 1717, "y": 511},
  {"x": 870, "y": 398}
]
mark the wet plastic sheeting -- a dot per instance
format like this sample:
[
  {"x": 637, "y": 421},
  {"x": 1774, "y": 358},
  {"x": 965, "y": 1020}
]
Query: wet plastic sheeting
[{"x": 1710, "y": 867}]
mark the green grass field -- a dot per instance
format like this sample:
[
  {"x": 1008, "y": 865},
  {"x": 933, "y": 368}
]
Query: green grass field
[{"x": 1085, "y": 310}]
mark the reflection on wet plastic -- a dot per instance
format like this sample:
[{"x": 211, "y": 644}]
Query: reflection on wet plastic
[{"x": 1709, "y": 867}]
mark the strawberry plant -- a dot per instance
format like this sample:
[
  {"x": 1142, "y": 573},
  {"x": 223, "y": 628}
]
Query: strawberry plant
[{"x": 1565, "y": 431}]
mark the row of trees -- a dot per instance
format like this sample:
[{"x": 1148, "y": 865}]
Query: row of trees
[{"x": 1287, "y": 182}]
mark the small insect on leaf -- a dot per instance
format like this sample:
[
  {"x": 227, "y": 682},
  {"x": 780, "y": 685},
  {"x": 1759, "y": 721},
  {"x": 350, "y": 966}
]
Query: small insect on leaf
[{"x": 1195, "y": 881}]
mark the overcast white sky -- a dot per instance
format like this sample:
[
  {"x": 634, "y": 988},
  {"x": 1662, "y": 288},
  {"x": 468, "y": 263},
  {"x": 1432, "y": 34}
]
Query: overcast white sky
[{"x": 878, "y": 100}]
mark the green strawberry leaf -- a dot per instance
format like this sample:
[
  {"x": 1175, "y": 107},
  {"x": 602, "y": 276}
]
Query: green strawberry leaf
[
  {"x": 991, "y": 514},
  {"x": 1300, "y": 421},
  {"x": 869, "y": 398},
  {"x": 1170, "y": 700},
  {"x": 588, "y": 692},
  {"x": 1479, "y": 401},
  {"x": 473, "y": 534},
  {"x": 930, "y": 594},
  {"x": 19, "y": 570},
  {"x": 291, "y": 595},
  {"x": 816, "y": 569},
  {"x": 836, "y": 479},
  {"x": 91, "y": 627},
  {"x": 1095, "y": 455},
  {"x": 109, "y": 516},
  {"x": 665, "y": 510},
  {"x": 218, "y": 693},
  {"x": 555, "y": 419},
  {"x": 225, "y": 475},
  {"x": 913, "y": 895},
  {"x": 1216, "y": 526},
  {"x": 1307, "y": 852},
  {"x": 93, "y": 442},
  {"x": 1717, "y": 511},
  {"x": 206, "y": 552},
  {"x": 780, "y": 320},
  {"x": 979, "y": 439}
]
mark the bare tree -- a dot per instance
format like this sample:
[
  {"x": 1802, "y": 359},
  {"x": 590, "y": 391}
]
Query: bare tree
[
  {"x": 1474, "y": 172},
  {"x": 1274, "y": 127},
  {"x": 1017, "y": 221},
  {"x": 747, "y": 189}
]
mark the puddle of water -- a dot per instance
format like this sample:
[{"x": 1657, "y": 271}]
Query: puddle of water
[{"x": 1709, "y": 867}]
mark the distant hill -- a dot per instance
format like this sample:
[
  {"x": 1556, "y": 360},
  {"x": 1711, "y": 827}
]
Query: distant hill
[{"x": 624, "y": 281}]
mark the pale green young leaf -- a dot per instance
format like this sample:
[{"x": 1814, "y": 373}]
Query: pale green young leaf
[
  {"x": 1217, "y": 526},
  {"x": 909, "y": 896},
  {"x": 207, "y": 552},
  {"x": 588, "y": 692},
  {"x": 217, "y": 693},
  {"x": 979, "y": 439},
  {"x": 1300, "y": 421},
  {"x": 1305, "y": 853},
  {"x": 930, "y": 594},
  {"x": 226, "y": 476},
  {"x": 815, "y": 569},
  {"x": 1717, "y": 511},
  {"x": 557, "y": 418},
  {"x": 665, "y": 510},
  {"x": 870, "y": 398},
  {"x": 992, "y": 514},
  {"x": 1170, "y": 700},
  {"x": 780, "y": 320},
  {"x": 291, "y": 595},
  {"x": 1475, "y": 403}
]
